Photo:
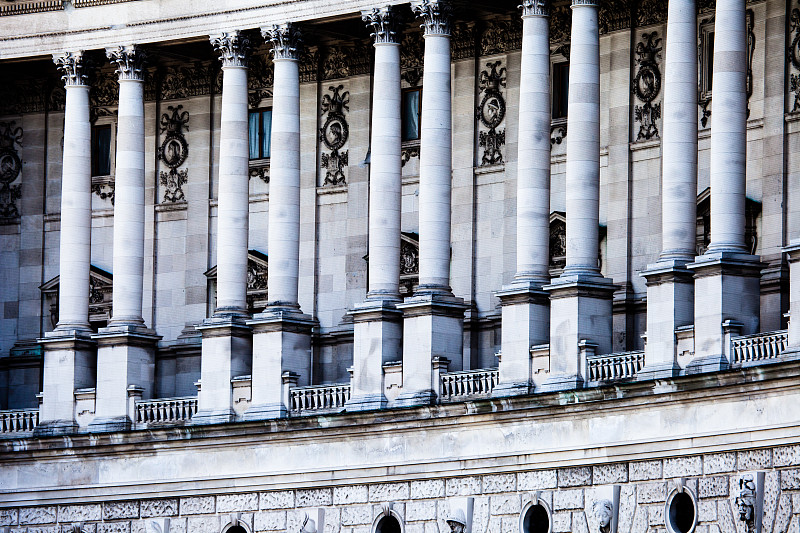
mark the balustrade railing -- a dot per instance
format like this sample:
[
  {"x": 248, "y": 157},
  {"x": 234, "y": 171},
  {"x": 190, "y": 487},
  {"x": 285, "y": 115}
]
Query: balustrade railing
[
  {"x": 319, "y": 398},
  {"x": 615, "y": 366},
  {"x": 166, "y": 410},
  {"x": 758, "y": 347},
  {"x": 18, "y": 420},
  {"x": 464, "y": 384}
]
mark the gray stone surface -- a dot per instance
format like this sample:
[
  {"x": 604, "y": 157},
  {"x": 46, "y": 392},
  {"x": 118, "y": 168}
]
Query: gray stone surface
[
  {"x": 499, "y": 483},
  {"x": 505, "y": 504},
  {"x": 433, "y": 488},
  {"x": 651, "y": 492},
  {"x": 645, "y": 470},
  {"x": 203, "y": 524},
  {"x": 9, "y": 517},
  {"x": 122, "y": 527},
  {"x": 163, "y": 507},
  {"x": 754, "y": 459},
  {"x": 464, "y": 486},
  {"x": 227, "y": 503},
  {"x": 610, "y": 473},
  {"x": 280, "y": 499},
  {"x": 562, "y": 522},
  {"x": 790, "y": 479},
  {"x": 387, "y": 492},
  {"x": 575, "y": 477},
  {"x": 356, "y": 515},
  {"x": 350, "y": 494},
  {"x": 79, "y": 513},
  {"x": 683, "y": 466},
  {"x": 568, "y": 499},
  {"x": 715, "y": 463},
  {"x": 421, "y": 510},
  {"x": 37, "y": 515},
  {"x": 197, "y": 505},
  {"x": 269, "y": 521},
  {"x": 117, "y": 510},
  {"x": 713, "y": 487},
  {"x": 313, "y": 497},
  {"x": 537, "y": 480},
  {"x": 786, "y": 456}
]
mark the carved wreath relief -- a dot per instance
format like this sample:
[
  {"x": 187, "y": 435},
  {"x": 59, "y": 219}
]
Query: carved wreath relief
[
  {"x": 10, "y": 168},
  {"x": 491, "y": 112},
  {"x": 334, "y": 134},
  {"x": 647, "y": 86},
  {"x": 173, "y": 153}
]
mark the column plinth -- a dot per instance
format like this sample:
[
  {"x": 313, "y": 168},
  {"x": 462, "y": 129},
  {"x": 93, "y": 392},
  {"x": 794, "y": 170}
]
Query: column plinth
[
  {"x": 727, "y": 276},
  {"x": 581, "y": 299},
  {"x": 525, "y": 307},
  {"x": 793, "y": 253},
  {"x": 227, "y": 339},
  {"x": 670, "y": 287}
]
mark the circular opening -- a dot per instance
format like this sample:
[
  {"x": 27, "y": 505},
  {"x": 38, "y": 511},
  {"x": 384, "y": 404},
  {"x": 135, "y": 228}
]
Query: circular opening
[
  {"x": 236, "y": 529},
  {"x": 681, "y": 513},
  {"x": 536, "y": 520},
  {"x": 388, "y": 524}
]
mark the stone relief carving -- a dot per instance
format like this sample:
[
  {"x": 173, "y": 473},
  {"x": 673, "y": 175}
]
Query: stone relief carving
[
  {"x": 173, "y": 153},
  {"x": 558, "y": 240},
  {"x": 651, "y": 12},
  {"x": 491, "y": 112},
  {"x": 260, "y": 171},
  {"x": 409, "y": 264},
  {"x": 462, "y": 42},
  {"x": 309, "y": 65},
  {"x": 407, "y": 153},
  {"x": 101, "y": 291},
  {"x": 412, "y": 52},
  {"x": 334, "y": 134},
  {"x": 558, "y": 132},
  {"x": 103, "y": 187},
  {"x": 10, "y": 169},
  {"x": 746, "y": 502},
  {"x": 184, "y": 81},
  {"x": 384, "y": 22},
  {"x": 615, "y": 15},
  {"x": 793, "y": 54},
  {"x": 71, "y": 65},
  {"x": 257, "y": 278},
  {"x": 103, "y": 93},
  {"x": 647, "y": 86},
  {"x": 560, "y": 23},
  {"x": 456, "y": 521},
  {"x": 602, "y": 512},
  {"x": 347, "y": 60},
  {"x": 500, "y": 36},
  {"x": 286, "y": 40}
]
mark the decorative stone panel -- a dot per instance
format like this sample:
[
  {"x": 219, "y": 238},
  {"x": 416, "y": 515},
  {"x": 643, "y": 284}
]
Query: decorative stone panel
[
  {"x": 683, "y": 466},
  {"x": 537, "y": 480},
  {"x": 465, "y": 486},
  {"x": 645, "y": 470},
  {"x": 611, "y": 473},
  {"x": 237, "y": 502},
  {"x": 575, "y": 477},
  {"x": 350, "y": 494},
  {"x": 198, "y": 505},
  {"x": 117, "y": 510},
  {"x": 433, "y": 488},
  {"x": 279, "y": 499},
  {"x": 167, "y": 507},
  {"x": 313, "y": 497},
  {"x": 37, "y": 515},
  {"x": 9, "y": 517}
]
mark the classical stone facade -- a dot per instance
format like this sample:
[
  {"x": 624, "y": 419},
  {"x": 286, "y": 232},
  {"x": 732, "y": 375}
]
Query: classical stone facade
[{"x": 426, "y": 267}]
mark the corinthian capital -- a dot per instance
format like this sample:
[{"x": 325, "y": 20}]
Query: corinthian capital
[
  {"x": 590, "y": 3},
  {"x": 534, "y": 8},
  {"x": 233, "y": 48},
  {"x": 129, "y": 60},
  {"x": 437, "y": 16},
  {"x": 286, "y": 40},
  {"x": 71, "y": 66},
  {"x": 384, "y": 23}
]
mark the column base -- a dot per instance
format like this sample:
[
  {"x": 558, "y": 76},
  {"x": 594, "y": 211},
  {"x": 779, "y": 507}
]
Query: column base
[
  {"x": 206, "y": 417},
  {"x": 366, "y": 402},
  {"x": 110, "y": 424},
  {"x": 652, "y": 372},
  {"x": 415, "y": 398},
  {"x": 266, "y": 411},
  {"x": 508, "y": 388},
  {"x": 706, "y": 364},
  {"x": 55, "y": 428},
  {"x": 562, "y": 382}
]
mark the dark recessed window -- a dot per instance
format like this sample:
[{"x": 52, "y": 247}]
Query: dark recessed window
[
  {"x": 560, "y": 90},
  {"x": 681, "y": 513},
  {"x": 388, "y": 524},
  {"x": 709, "y": 62},
  {"x": 259, "y": 129},
  {"x": 101, "y": 150},
  {"x": 412, "y": 106},
  {"x": 536, "y": 520}
]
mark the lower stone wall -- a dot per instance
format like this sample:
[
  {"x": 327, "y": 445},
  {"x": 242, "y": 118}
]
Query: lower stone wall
[{"x": 422, "y": 504}]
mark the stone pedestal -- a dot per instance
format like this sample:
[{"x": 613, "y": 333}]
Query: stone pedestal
[
  {"x": 227, "y": 345},
  {"x": 580, "y": 312},
  {"x": 526, "y": 323},
  {"x": 793, "y": 253},
  {"x": 378, "y": 336},
  {"x": 726, "y": 289},
  {"x": 433, "y": 326},
  {"x": 69, "y": 364},
  {"x": 670, "y": 305},
  {"x": 281, "y": 343},
  {"x": 125, "y": 358}
]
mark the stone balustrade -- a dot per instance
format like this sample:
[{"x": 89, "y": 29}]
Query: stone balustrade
[
  {"x": 462, "y": 385},
  {"x": 615, "y": 366},
  {"x": 752, "y": 349},
  {"x": 166, "y": 410},
  {"x": 318, "y": 399},
  {"x": 18, "y": 420}
]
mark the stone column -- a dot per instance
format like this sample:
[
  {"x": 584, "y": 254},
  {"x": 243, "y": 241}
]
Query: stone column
[
  {"x": 670, "y": 287},
  {"x": 282, "y": 333},
  {"x": 581, "y": 298},
  {"x": 126, "y": 348},
  {"x": 525, "y": 306},
  {"x": 377, "y": 327},
  {"x": 727, "y": 275},
  {"x": 434, "y": 318},
  {"x": 227, "y": 339},
  {"x": 68, "y": 350},
  {"x": 793, "y": 253}
]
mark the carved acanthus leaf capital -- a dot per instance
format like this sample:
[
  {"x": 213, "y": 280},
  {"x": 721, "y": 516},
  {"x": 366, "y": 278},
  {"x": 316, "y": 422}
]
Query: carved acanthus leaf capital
[
  {"x": 590, "y": 3},
  {"x": 72, "y": 67},
  {"x": 286, "y": 40},
  {"x": 130, "y": 61},
  {"x": 233, "y": 48},
  {"x": 384, "y": 23},
  {"x": 437, "y": 16},
  {"x": 534, "y": 8}
]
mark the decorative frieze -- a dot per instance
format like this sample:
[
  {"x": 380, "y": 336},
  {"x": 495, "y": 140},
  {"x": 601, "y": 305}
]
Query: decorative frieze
[
  {"x": 103, "y": 187},
  {"x": 412, "y": 51},
  {"x": 651, "y": 12},
  {"x": 500, "y": 36},
  {"x": 462, "y": 42},
  {"x": 173, "y": 153},
  {"x": 793, "y": 54},
  {"x": 260, "y": 79},
  {"x": 560, "y": 23},
  {"x": 347, "y": 60},
  {"x": 384, "y": 23},
  {"x": 286, "y": 41},
  {"x": 647, "y": 86},
  {"x": 129, "y": 61},
  {"x": 407, "y": 153},
  {"x": 10, "y": 169},
  {"x": 103, "y": 93},
  {"x": 334, "y": 135},
  {"x": 437, "y": 16},
  {"x": 185, "y": 81},
  {"x": 24, "y": 7},
  {"x": 309, "y": 65},
  {"x": 233, "y": 48},
  {"x": 491, "y": 113}
]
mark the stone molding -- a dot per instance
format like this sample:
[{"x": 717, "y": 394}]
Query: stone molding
[
  {"x": 384, "y": 23},
  {"x": 286, "y": 40},
  {"x": 233, "y": 48},
  {"x": 437, "y": 16},
  {"x": 129, "y": 61}
]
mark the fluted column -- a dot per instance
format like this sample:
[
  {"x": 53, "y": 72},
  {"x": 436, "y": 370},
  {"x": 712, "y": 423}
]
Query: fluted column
[
  {"x": 227, "y": 340},
  {"x": 525, "y": 307},
  {"x": 433, "y": 317},
  {"x": 377, "y": 330},
  {"x": 282, "y": 334},
  {"x": 670, "y": 287},
  {"x": 126, "y": 349},
  {"x": 69, "y": 352},
  {"x": 727, "y": 288},
  {"x": 581, "y": 314}
]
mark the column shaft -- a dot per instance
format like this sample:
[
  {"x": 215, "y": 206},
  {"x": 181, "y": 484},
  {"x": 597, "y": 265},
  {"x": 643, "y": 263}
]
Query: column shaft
[
  {"x": 583, "y": 142},
  {"x": 284, "y": 187},
  {"x": 233, "y": 212}
]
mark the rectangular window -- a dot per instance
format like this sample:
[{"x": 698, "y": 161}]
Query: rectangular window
[
  {"x": 101, "y": 150},
  {"x": 259, "y": 129},
  {"x": 709, "y": 62},
  {"x": 560, "y": 90},
  {"x": 412, "y": 103}
]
